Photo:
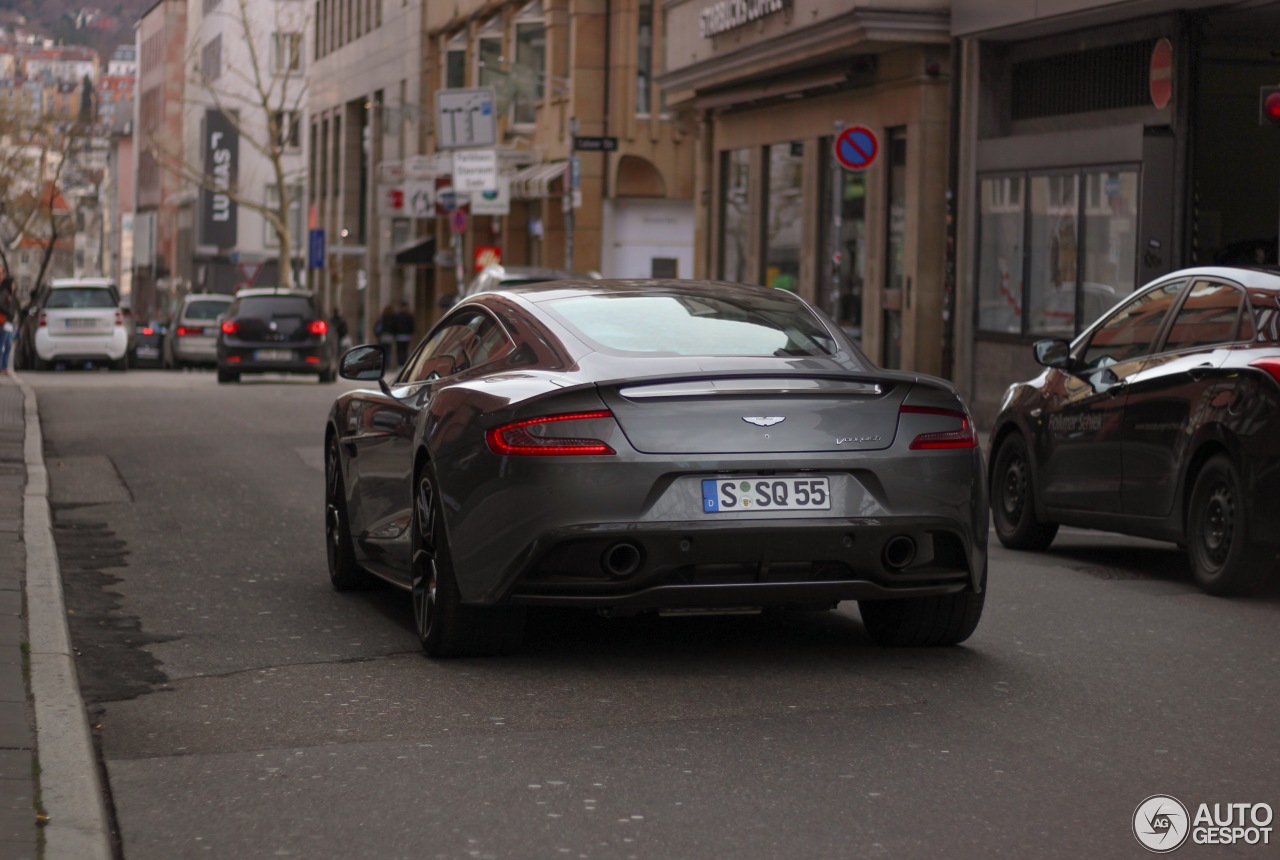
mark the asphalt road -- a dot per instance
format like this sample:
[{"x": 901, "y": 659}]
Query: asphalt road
[{"x": 246, "y": 710}]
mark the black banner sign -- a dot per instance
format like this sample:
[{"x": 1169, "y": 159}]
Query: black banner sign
[{"x": 221, "y": 161}]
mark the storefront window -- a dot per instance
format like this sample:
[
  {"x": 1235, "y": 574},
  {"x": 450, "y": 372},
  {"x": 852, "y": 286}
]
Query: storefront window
[
  {"x": 783, "y": 215},
  {"x": 735, "y": 182},
  {"x": 1053, "y": 254},
  {"x": 1000, "y": 226},
  {"x": 1110, "y": 240},
  {"x": 1080, "y": 229},
  {"x": 844, "y": 221}
]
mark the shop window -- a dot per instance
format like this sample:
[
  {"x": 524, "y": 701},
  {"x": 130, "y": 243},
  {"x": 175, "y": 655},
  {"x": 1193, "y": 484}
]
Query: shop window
[
  {"x": 843, "y": 220},
  {"x": 528, "y": 73},
  {"x": 784, "y": 209},
  {"x": 735, "y": 184},
  {"x": 1079, "y": 231},
  {"x": 1052, "y": 246},
  {"x": 1110, "y": 240},
  {"x": 1000, "y": 214}
]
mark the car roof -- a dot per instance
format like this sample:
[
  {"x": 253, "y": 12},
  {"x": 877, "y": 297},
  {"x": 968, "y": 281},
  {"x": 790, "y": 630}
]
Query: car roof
[
  {"x": 1252, "y": 277},
  {"x": 255, "y": 292},
  {"x": 579, "y": 286},
  {"x": 191, "y": 297},
  {"x": 60, "y": 283}
]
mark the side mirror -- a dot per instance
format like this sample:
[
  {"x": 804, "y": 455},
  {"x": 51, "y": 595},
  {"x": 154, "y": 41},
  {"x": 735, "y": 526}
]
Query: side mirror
[
  {"x": 1053, "y": 353},
  {"x": 365, "y": 363}
]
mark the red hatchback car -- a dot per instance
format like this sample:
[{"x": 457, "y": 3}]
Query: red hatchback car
[{"x": 1161, "y": 420}]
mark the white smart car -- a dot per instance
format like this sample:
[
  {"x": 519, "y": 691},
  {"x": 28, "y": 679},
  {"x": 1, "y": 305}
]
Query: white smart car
[{"x": 80, "y": 320}]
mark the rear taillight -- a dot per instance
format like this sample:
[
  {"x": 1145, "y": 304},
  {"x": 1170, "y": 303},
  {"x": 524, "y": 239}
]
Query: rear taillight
[
  {"x": 230, "y": 326},
  {"x": 963, "y": 436},
  {"x": 44, "y": 319},
  {"x": 148, "y": 330},
  {"x": 518, "y": 438},
  {"x": 1270, "y": 365},
  {"x": 184, "y": 330},
  {"x": 119, "y": 319},
  {"x": 317, "y": 326}
]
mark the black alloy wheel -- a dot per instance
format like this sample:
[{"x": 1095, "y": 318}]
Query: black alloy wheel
[
  {"x": 445, "y": 626},
  {"x": 1223, "y": 560},
  {"x": 345, "y": 573},
  {"x": 1013, "y": 499}
]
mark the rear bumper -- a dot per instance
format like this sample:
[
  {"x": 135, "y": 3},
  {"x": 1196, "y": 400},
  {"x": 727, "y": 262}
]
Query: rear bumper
[
  {"x": 762, "y": 563},
  {"x": 109, "y": 347},
  {"x": 308, "y": 358},
  {"x": 195, "y": 349}
]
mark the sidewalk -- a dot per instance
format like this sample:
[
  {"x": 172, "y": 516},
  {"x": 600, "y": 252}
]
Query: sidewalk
[{"x": 42, "y": 716}]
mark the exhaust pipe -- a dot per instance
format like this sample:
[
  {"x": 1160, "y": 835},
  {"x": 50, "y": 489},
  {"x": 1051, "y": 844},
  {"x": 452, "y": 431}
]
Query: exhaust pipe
[
  {"x": 899, "y": 552},
  {"x": 621, "y": 559}
]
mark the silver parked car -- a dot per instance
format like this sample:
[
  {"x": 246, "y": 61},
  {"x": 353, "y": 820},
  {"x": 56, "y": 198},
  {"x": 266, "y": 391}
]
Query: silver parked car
[
  {"x": 192, "y": 338},
  {"x": 650, "y": 445}
]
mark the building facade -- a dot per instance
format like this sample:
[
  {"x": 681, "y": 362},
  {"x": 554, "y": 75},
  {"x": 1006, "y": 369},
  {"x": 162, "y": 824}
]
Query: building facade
[
  {"x": 1101, "y": 145},
  {"x": 767, "y": 90},
  {"x": 161, "y": 35}
]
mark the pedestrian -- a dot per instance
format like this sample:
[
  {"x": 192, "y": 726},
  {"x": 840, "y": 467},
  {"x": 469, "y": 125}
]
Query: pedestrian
[
  {"x": 340, "y": 331},
  {"x": 385, "y": 330},
  {"x": 8, "y": 307},
  {"x": 403, "y": 328}
]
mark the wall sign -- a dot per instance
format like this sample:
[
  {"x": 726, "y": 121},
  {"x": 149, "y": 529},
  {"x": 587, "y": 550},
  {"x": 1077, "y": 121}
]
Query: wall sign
[
  {"x": 221, "y": 157},
  {"x": 732, "y": 14}
]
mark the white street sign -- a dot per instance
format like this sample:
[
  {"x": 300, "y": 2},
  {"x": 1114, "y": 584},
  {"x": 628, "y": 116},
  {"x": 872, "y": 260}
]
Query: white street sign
[
  {"x": 493, "y": 201},
  {"x": 420, "y": 198},
  {"x": 475, "y": 169},
  {"x": 428, "y": 166},
  {"x": 465, "y": 118}
]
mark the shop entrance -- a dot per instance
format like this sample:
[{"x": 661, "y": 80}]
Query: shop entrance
[{"x": 1235, "y": 193}]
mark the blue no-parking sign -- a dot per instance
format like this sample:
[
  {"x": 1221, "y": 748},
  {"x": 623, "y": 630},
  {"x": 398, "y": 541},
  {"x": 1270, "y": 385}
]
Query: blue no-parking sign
[{"x": 856, "y": 148}]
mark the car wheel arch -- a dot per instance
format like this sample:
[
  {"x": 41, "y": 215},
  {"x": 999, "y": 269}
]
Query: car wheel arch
[{"x": 1213, "y": 444}]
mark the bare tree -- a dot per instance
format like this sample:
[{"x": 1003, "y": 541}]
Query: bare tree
[
  {"x": 262, "y": 99},
  {"x": 35, "y": 155}
]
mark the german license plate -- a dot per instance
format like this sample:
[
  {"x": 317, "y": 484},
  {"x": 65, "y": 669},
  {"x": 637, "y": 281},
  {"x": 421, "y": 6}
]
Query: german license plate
[
  {"x": 75, "y": 322},
  {"x": 764, "y": 495},
  {"x": 274, "y": 355},
  {"x": 148, "y": 352}
]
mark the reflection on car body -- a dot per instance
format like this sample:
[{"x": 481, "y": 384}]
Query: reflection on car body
[
  {"x": 586, "y": 444},
  {"x": 1161, "y": 420}
]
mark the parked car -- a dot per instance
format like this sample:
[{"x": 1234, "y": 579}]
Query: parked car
[
  {"x": 651, "y": 445},
  {"x": 496, "y": 276},
  {"x": 74, "y": 321},
  {"x": 1161, "y": 420},
  {"x": 148, "y": 345},
  {"x": 275, "y": 330},
  {"x": 192, "y": 339}
]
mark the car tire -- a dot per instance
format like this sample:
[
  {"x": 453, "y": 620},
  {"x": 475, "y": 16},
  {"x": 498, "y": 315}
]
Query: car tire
[
  {"x": 445, "y": 626},
  {"x": 120, "y": 366},
  {"x": 345, "y": 573},
  {"x": 916, "y": 622},
  {"x": 1013, "y": 509},
  {"x": 225, "y": 376},
  {"x": 38, "y": 363},
  {"x": 328, "y": 376},
  {"x": 1223, "y": 559}
]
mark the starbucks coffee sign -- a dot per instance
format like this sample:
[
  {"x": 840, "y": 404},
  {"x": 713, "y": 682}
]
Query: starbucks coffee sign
[{"x": 731, "y": 14}]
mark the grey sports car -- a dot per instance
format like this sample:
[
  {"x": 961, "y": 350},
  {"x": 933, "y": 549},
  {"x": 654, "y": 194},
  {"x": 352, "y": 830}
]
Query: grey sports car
[{"x": 653, "y": 445}]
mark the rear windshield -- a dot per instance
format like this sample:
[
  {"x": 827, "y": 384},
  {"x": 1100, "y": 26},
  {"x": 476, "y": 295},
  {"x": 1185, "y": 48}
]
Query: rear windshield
[
  {"x": 677, "y": 324},
  {"x": 269, "y": 307},
  {"x": 205, "y": 310},
  {"x": 80, "y": 298}
]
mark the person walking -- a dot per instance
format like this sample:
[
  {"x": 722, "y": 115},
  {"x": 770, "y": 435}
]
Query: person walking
[
  {"x": 384, "y": 329},
  {"x": 8, "y": 308},
  {"x": 403, "y": 328}
]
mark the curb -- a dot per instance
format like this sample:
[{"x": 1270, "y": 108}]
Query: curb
[{"x": 69, "y": 785}]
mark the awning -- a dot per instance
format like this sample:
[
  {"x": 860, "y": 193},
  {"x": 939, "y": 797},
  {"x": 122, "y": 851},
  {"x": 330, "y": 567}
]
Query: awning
[
  {"x": 537, "y": 181},
  {"x": 420, "y": 252}
]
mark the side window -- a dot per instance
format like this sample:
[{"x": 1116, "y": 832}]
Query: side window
[
  {"x": 1207, "y": 316},
  {"x": 466, "y": 340},
  {"x": 1130, "y": 331}
]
